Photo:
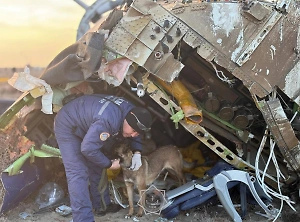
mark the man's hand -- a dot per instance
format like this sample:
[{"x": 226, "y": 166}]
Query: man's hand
[
  {"x": 115, "y": 164},
  {"x": 136, "y": 162}
]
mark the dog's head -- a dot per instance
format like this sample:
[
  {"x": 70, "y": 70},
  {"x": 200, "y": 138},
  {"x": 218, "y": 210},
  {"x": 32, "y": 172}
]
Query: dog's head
[{"x": 124, "y": 153}]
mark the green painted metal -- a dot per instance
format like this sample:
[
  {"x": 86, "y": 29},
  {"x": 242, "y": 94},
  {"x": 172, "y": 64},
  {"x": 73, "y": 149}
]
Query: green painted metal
[
  {"x": 44, "y": 152},
  {"x": 25, "y": 100}
]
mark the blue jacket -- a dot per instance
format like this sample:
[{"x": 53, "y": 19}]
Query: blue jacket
[{"x": 96, "y": 119}]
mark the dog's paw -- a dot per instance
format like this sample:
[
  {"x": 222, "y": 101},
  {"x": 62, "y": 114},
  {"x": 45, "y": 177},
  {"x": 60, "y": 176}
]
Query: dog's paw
[
  {"x": 139, "y": 214},
  {"x": 128, "y": 216}
]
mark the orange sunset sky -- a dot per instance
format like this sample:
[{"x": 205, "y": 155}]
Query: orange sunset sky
[{"x": 35, "y": 31}]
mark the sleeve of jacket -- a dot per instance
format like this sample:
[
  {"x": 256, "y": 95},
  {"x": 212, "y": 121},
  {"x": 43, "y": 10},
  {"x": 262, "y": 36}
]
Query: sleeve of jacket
[{"x": 91, "y": 146}]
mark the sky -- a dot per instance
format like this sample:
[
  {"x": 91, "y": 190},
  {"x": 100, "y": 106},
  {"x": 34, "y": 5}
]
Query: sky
[{"x": 34, "y": 31}]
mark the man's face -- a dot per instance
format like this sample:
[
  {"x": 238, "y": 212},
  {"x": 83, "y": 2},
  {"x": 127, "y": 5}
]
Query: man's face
[{"x": 128, "y": 131}]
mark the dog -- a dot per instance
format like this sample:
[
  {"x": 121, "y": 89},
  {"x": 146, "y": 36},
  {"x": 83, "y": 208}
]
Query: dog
[{"x": 166, "y": 157}]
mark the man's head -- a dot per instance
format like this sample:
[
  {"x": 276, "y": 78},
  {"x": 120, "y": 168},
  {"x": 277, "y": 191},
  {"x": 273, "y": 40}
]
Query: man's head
[{"x": 137, "y": 121}]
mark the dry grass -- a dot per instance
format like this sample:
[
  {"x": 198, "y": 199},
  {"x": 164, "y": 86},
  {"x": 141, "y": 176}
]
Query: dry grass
[{"x": 9, "y": 148}]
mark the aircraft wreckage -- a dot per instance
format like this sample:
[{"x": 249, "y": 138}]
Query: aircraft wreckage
[{"x": 224, "y": 73}]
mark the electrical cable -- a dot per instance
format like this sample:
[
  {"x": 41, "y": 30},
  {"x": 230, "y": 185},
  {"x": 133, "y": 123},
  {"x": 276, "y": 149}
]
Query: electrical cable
[
  {"x": 223, "y": 78},
  {"x": 279, "y": 174}
]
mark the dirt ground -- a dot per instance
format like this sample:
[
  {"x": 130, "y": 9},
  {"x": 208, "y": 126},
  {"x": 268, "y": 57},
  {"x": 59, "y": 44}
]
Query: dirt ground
[
  {"x": 211, "y": 212},
  {"x": 200, "y": 214}
]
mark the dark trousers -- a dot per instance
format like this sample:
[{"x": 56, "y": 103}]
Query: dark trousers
[{"x": 82, "y": 175}]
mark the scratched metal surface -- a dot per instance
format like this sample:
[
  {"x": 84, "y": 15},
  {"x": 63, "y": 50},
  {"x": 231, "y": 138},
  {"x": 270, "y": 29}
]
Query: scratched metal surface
[
  {"x": 224, "y": 25},
  {"x": 275, "y": 57}
]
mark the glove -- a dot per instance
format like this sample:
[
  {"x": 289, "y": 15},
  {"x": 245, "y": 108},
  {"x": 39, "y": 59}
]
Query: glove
[{"x": 136, "y": 162}]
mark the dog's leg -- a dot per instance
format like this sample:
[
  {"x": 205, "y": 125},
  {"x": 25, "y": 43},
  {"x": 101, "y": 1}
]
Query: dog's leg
[
  {"x": 141, "y": 186},
  {"x": 181, "y": 178},
  {"x": 179, "y": 174},
  {"x": 124, "y": 191},
  {"x": 129, "y": 187}
]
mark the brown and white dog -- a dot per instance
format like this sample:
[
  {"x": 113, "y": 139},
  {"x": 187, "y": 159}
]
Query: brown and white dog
[{"x": 166, "y": 157}]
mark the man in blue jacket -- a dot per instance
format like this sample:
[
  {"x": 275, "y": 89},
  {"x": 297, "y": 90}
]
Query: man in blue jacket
[{"x": 85, "y": 129}]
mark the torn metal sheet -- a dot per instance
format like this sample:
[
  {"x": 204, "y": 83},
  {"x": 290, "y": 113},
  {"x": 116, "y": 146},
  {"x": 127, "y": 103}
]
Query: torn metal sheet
[
  {"x": 138, "y": 52},
  {"x": 230, "y": 35},
  {"x": 156, "y": 60},
  {"x": 148, "y": 37},
  {"x": 135, "y": 24},
  {"x": 257, "y": 10},
  {"x": 192, "y": 39},
  {"x": 170, "y": 69},
  {"x": 119, "y": 40},
  {"x": 275, "y": 57},
  {"x": 242, "y": 38},
  {"x": 145, "y": 39},
  {"x": 253, "y": 86},
  {"x": 246, "y": 54},
  {"x": 163, "y": 17},
  {"x": 143, "y": 6},
  {"x": 292, "y": 84},
  {"x": 206, "y": 51},
  {"x": 282, "y": 131}
]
